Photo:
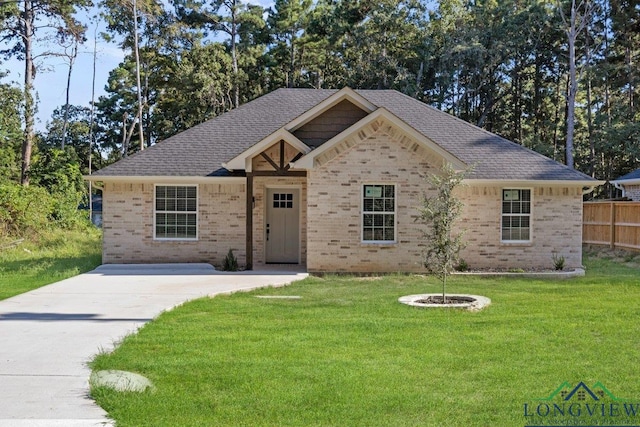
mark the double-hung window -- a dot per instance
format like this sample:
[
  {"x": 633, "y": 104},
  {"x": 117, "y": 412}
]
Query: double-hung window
[
  {"x": 379, "y": 213},
  {"x": 516, "y": 215},
  {"x": 176, "y": 214}
]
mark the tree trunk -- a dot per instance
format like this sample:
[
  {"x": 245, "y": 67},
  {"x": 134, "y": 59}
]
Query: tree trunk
[
  {"x": 592, "y": 146},
  {"x": 234, "y": 56},
  {"x": 137, "y": 55},
  {"x": 65, "y": 124},
  {"x": 29, "y": 107},
  {"x": 573, "y": 85}
]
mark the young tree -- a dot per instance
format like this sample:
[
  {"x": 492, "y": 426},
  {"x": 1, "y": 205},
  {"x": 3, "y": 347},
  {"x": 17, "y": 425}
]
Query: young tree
[{"x": 439, "y": 212}]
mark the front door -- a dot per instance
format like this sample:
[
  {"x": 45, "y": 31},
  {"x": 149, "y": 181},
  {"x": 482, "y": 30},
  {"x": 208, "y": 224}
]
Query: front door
[{"x": 282, "y": 226}]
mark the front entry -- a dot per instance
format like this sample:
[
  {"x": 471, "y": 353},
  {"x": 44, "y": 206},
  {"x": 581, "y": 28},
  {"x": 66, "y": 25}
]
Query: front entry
[{"x": 282, "y": 226}]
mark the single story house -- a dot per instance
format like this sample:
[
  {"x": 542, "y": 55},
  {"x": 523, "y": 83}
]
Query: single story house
[
  {"x": 331, "y": 180},
  {"x": 630, "y": 185}
]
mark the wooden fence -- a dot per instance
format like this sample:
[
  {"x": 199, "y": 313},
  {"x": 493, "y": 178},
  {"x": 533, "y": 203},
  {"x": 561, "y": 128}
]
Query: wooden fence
[{"x": 615, "y": 224}]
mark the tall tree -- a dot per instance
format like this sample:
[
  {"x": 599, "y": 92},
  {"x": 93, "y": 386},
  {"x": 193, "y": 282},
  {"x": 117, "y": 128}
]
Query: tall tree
[
  {"x": 10, "y": 132},
  {"x": 575, "y": 24},
  {"x": 288, "y": 21},
  {"x": 225, "y": 16},
  {"x": 30, "y": 24}
]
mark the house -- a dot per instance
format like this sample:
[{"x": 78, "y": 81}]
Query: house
[
  {"x": 629, "y": 184},
  {"x": 331, "y": 180}
]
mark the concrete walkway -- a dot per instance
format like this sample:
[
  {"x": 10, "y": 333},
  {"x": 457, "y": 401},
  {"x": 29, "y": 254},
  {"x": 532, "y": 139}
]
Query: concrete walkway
[{"x": 48, "y": 335}]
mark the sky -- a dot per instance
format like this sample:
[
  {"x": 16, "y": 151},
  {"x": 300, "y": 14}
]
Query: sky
[{"x": 51, "y": 77}]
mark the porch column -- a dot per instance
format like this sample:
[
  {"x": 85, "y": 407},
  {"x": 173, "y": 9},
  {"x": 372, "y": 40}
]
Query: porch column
[{"x": 249, "y": 221}]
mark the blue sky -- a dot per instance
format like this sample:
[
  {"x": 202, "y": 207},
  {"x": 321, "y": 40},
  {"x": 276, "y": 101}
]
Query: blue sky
[{"x": 51, "y": 77}]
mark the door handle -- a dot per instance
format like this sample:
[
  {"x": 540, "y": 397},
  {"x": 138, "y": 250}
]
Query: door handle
[{"x": 267, "y": 232}]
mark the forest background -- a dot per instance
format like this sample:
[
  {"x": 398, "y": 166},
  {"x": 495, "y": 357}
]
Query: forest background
[{"x": 558, "y": 77}]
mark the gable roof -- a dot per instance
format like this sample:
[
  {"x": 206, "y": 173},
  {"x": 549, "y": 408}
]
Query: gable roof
[
  {"x": 307, "y": 161},
  {"x": 630, "y": 178},
  {"x": 200, "y": 151}
]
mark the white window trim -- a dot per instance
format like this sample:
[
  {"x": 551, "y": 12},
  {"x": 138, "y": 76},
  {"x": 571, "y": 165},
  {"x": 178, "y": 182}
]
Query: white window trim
[
  {"x": 197, "y": 212},
  {"x": 530, "y": 214},
  {"x": 395, "y": 215}
]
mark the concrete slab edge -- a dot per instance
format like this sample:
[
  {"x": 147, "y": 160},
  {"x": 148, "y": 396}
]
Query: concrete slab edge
[{"x": 578, "y": 272}]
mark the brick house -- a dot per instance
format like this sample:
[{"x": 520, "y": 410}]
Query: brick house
[
  {"x": 331, "y": 180},
  {"x": 630, "y": 185}
]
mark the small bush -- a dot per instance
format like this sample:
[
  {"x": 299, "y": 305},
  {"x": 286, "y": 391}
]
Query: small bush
[
  {"x": 230, "y": 262},
  {"x": 558, "y": 262},
  {"x": 462, "y": 265}
]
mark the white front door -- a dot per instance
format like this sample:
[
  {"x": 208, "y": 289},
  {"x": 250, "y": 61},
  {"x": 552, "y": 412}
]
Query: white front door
[{"x": 282, "y": 226}]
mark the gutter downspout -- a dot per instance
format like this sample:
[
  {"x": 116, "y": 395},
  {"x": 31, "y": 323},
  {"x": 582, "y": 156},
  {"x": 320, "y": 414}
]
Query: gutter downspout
[{"x": 619, "y": 187}]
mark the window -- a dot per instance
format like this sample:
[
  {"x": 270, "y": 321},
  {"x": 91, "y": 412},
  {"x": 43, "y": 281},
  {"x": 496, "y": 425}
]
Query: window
[
  {"x": 516, "y": 215},
  {"x": 176, "y": 212},
  {"x": 283, "y": 200},
  {"x": 379, "y": 213}
]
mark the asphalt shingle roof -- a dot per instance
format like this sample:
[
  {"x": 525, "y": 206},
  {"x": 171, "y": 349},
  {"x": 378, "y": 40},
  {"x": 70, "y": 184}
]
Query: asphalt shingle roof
[
  {"x": 201, "y": 150},
  {"x": 631, "y": 175}
]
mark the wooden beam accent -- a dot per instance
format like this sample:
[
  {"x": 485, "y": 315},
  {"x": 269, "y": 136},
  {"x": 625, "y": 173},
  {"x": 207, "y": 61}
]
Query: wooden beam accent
[
  {"x": 249, "y": 221},
  {"x": 293, "y": 160},
  {"x": 271, "y": 162},
  {"x": 279, "y": 173},
  {"x": 281, "y": 155}
]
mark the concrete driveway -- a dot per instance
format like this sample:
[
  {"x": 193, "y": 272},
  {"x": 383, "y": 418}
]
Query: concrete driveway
[{"x": 48, "y": 335}]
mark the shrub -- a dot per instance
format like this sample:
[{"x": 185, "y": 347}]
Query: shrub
[
  {"x": 558, "y": 262},
  {"x": 24, "y": 209},
  {"x": 462, "y": 265},
  {"x": 230, "y": 262}
]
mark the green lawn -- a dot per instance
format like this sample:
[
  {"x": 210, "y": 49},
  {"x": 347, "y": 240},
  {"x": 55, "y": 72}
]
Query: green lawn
[
  {"x": 348, "y": 354},
  {"x": 48, "y": 259}
]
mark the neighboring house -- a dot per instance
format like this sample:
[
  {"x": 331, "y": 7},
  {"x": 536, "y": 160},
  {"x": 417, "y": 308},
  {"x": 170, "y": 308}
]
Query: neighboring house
[
  {"x": 331, "y": 179},
  {"x": 629, "y": 184},
  {"x": 96, "y": 210}
]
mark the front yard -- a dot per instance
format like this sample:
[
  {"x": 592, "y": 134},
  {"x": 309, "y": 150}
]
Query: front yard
[{"x": 348, "y": 354}]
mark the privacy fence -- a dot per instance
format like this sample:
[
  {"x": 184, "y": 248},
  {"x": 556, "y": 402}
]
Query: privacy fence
[{"x": 615, "y": 224}]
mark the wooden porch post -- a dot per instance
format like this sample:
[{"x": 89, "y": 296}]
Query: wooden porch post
[{"x": 249, "y": 231}]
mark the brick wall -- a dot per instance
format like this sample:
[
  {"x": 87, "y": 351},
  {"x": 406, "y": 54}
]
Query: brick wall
[
  {"x": 334, "y": 208},
  {"x": 556, "y": 227},
  {"x": 632, "y": 192},
  {"x": 334, "y": 212},
  {"x": 128, "y": 226}
]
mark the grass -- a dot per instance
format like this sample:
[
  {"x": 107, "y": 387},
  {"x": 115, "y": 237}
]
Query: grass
[
  {"x": 51, "y": 257},
  {"x": 348, "y": 354}
]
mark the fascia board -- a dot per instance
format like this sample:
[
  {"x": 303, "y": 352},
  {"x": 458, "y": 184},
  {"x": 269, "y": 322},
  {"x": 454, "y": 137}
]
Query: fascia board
[
  {"x": 533, "y": 182},
  {"x": 166, "y": 179},
  {"x": 635, "y": 181}
]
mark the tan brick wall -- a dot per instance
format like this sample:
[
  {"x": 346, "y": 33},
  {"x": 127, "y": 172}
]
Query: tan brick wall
[
  {"x": 334, "y": 212},
  {"x": 556, "y": 227},
  {"x": 632, "y": 192},
  {"x": 128, "y": 226},
  {"x": 335, "y": 193}
]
